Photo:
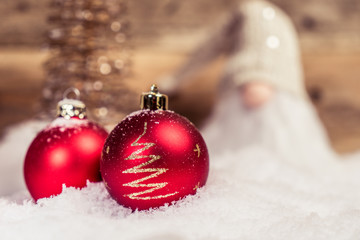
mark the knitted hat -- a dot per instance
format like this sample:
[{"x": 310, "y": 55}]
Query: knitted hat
[
  {"x": 266, "y": 50},
  {"x": 261, "y": 43}
]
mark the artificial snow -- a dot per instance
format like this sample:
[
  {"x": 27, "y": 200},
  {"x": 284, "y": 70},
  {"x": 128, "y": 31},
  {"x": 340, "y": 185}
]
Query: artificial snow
[
  {"x": 253, "y": 192},
  {"x": 62, "y": 122}
]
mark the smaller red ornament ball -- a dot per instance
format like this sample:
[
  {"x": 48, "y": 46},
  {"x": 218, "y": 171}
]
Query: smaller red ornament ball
[
  {"x": 67, "y": 152},
  {"x": 154, "y": 157}
]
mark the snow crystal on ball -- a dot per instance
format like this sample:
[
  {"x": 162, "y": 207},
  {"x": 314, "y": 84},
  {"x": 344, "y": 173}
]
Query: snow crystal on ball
[{"x": 62, "y": 123}]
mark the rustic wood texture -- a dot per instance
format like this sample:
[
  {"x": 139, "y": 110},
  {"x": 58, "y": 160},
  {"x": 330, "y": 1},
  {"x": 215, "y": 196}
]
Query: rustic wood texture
[
  {"x": 165, "y": 31},
  {"x": 322, "y": 23},
  {"x": 332, "y": 79}
]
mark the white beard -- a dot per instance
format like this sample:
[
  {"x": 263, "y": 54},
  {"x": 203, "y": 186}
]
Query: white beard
[{"x": 287, "y": 127}]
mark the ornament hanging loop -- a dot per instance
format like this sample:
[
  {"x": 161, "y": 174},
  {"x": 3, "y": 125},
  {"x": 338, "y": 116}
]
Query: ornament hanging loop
[
  {"x": 154, "y": 100},
  {"x": 71, "y": 90},
  {"x": 69, "y": 107}
]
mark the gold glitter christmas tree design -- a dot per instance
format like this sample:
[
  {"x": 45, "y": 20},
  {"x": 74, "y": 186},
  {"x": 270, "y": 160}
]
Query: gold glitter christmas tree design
[{"x": 155, "y": 172}]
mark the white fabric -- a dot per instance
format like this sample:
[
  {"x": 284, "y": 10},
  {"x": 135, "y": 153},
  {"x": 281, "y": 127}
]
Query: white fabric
[
  {"x": 287, "y": 126},
  {"x": 266, "y": 49},
  {"x": 261, "y": 44}
]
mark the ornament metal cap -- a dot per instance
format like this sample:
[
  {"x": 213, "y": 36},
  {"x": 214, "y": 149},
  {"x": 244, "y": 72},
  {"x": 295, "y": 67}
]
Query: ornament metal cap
[
  {"x": 68, "y": 108},
  {"x": 154, "y": 100}
]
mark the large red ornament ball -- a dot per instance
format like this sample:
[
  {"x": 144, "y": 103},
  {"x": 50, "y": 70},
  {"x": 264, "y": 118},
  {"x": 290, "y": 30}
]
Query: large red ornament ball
[
  {"x": 152, "y": 158},
  {"x": 67, "y": 152}
]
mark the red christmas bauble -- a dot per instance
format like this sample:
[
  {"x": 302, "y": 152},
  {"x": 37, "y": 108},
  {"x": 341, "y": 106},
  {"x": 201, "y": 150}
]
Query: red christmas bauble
[
  {"x": 67, "y": 152},
  {"x": 152, "y": 158}
]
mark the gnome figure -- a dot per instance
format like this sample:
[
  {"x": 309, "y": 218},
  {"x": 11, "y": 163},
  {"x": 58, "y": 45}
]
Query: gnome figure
[{"x": 261, "y": 97}]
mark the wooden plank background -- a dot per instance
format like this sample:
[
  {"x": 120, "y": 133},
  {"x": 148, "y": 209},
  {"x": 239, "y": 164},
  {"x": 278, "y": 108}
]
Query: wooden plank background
[{"x": 165, "y": 31}]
